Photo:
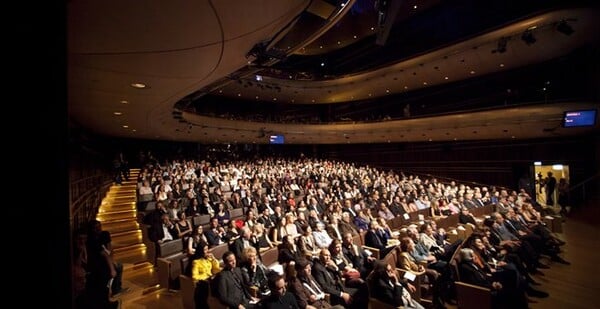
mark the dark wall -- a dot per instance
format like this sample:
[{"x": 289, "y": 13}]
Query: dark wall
[{"x": 489, "y": 162}]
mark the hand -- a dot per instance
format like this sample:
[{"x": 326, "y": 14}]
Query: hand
[
  {"x": 497, "y": 285},
  {"x": 421, "y": 268},
  {"x": 313, "y": 298},
  {"x": 346, "y": 297},
  {"x": 240, "y": 306}
]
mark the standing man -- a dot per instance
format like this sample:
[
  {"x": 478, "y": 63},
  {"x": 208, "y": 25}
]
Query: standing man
[{"x": 550, "y": 186}]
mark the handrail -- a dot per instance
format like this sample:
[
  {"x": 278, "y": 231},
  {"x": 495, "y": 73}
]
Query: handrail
[{"x": 584, "y": 182}]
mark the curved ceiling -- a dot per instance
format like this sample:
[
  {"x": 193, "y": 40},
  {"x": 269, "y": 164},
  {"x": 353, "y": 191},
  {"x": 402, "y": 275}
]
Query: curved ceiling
[{"x": 181, "y": 48}]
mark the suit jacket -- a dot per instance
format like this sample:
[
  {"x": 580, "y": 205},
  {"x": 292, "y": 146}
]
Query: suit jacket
[
  {"x": 213, "y": 238},
  {"x": 237, "y": 247},
  {"x": 406, "y": 262},
  {"x": 302, "y": 295},
  {"x": 389, "y": 294},
  {"x": 329, "y": 279},
  {"x": 346, "y": 227},
  {"x": 358, "y": 258},
  {"x": 472, "y": 274},
  {"x": 372, "y": 239},
  {"x": 232, "y": 288}
]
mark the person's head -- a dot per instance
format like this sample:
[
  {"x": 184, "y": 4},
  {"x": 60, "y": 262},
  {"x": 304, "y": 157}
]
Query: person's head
[
  {"x": 382, "y": 269},
  {"x": 277, "y": 284},
  {"x": 407, "y": 244},
  {"x": 325, "y": 255},
  {"x": 335, "y": 247},
  {"x": 201, "y": 251},
  {"x": 250, "y": 256},
  {"x": 258, "y": 229},
  {"x": 303, "y": 268},
  {"x": 466, "y": 254},
  {"x": 320, "y": 226},
  {"x": 373, "y": 225},
  {"x": 348, "y": 238},
  {"x": 346, "y": 217},
  {"x": 181, "y": 215},
  {"x": 478, "y": 243},
  {"x": 229, "y": 260},
  {"x": 246, "y": 232},
  {"x": 214, "y": 222}
]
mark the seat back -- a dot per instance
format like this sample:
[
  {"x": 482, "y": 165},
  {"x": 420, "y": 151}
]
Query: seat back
[
  {"x": 471, "y": 296},
  {"x": 170, "y": 247},
  {"x": 269, "y": 257},
  {"x": 219, "y": 250},
  {"x": 201, "y": 220},
  {"x": 236, "y": 213}
]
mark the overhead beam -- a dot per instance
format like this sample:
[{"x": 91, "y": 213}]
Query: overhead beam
[{"x": 387, "y": 13}]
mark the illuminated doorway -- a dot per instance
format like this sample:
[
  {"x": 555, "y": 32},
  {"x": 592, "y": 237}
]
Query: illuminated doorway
[{"x": 543, "y": 182}]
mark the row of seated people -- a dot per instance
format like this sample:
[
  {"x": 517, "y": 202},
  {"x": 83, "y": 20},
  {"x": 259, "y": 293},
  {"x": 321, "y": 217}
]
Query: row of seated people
[
  {"x": 500, "y": 257},
  {"x": 320, "y": 282}
]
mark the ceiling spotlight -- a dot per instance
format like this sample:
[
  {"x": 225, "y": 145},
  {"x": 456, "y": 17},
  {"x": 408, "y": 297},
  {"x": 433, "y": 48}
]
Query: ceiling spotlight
[
  {"x": 501, "y": 48},
  {"x": 564, "y": 28},
  {"x": 528, "y": 37}
]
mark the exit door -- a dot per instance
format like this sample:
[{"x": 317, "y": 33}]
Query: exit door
[{"x": 547, "y": 178}]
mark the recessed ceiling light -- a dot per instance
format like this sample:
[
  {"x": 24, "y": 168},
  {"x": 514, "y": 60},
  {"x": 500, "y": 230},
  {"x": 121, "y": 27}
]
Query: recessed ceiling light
[
  {"x": 472, "y": 72},
  {"x": 124, "y": 102},
  {"x": 134, "y": 130},
  {"x": 446, "y": 77},
  {"x": 370, "y": 94},
  {"x": 501, "y": 65},
  {"x": 274, "y": 99},
  {"x": 220, "y": 90},
  {"x": 355, "y": 36},
  {"x": 313, "y": 100},
  {"x": 424, "y": 83},
  {"x": 387, "y": 91},
  {"x": 117, "y": 113},
  {"x": 239, "y": 94},
  {"x": 372, "y": 28},
  {"x": 415, "y": 7},
  {"x": 339, "y": 42},
  {"x": 125, "y": 126},
  {"x": 293, "y": 100},
  {"x": 405, "y": 87},
  {"x": 256, "y": 97},
  {"x": 138, "y": 85},
  {"x": 320, "y": 46}
]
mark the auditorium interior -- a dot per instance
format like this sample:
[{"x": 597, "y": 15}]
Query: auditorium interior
[{"x": 358, "y": 102}]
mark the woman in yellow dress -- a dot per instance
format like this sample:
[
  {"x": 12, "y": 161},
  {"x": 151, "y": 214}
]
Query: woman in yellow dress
[{"x": 204, "y": 267}]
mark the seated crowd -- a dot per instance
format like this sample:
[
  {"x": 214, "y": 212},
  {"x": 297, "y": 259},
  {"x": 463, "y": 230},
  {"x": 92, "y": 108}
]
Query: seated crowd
[{"x": 329, "y": 222}]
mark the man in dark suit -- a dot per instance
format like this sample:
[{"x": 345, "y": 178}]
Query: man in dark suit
[
  {"x": 360, "y": 259},
  {"x": 246, "y": 240},
  {"x": 327, "y": 274},
  {"x": 233, "y": 285},
  {"x": 216, "y": 234},
  {"x": 374, "y": 239},
  {"x": 470, "y": 273}
]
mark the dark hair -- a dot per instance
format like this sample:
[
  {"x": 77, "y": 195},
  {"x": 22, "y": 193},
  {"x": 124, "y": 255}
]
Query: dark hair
[
  {"x": 380, "y": 269},
  {"x": 227, "y": 254},
  {"x": 272, "y": 279},
  {"x": 199, "y": 253}
]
